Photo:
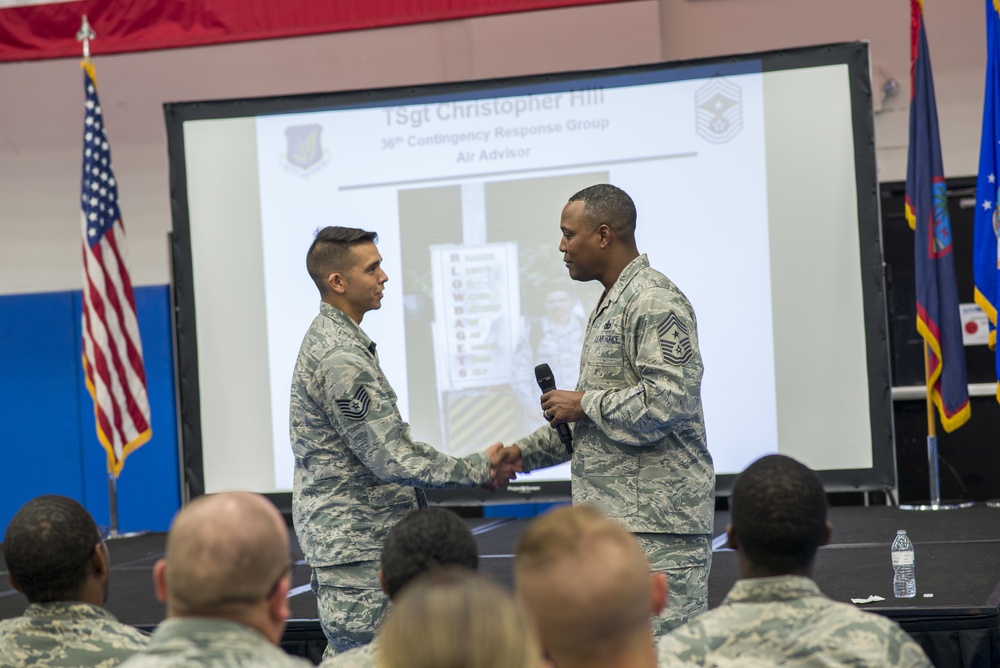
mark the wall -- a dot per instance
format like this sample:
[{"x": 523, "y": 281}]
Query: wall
[
  {"x": 48, "y": 437},
  {"x": 40, "y": 125},
  {"x": 955, "y": 33},
  {"x": 40, "y": 137}
]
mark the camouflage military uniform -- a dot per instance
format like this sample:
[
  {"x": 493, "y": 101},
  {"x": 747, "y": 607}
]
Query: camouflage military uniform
[
  {"x": 356, "y": 467},
  {"x": 67, "y": 634},
  {"x": 641, "y": 455},
  {"x": 213, "y": 643},
  {"x": 359, "y": 657},
  {"x": 788, "y": 621}
]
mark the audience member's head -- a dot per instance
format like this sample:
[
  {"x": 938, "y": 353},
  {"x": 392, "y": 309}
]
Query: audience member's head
[
  {"x": 778, "y": 517},
  {"x": 228, "y": 557},
  {"x": 54, "y": 552},
  {"x": 586, "y": 581},
  {"x": 425, "y": 539},
  {"x": 455, "y": 618}
]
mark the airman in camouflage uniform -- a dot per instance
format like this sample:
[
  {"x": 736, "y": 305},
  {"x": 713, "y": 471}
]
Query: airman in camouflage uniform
[
  {"x": 424, "y": 540},
  {"x": 639, "y": 433},
  {"x": 586, "y": 583},
  {"x": 225, "y": 579},
  {"x": 356, "y": 464},
  {"x": 57, "y": 558},
  {"x": 67, "y": 634},
  {"x": 787, "y": 620},
  {"x": 775, "y": 612},
  {"x": 213, "y": 643}
]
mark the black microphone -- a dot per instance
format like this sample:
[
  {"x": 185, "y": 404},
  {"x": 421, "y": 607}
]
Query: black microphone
[{"x": 547, "y": 383}]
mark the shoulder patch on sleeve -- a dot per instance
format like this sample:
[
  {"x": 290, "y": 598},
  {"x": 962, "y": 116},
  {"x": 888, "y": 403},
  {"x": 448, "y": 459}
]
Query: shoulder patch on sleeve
[
  {"x": 356, "y": 408},
  {"x": 675, "y": 340}
]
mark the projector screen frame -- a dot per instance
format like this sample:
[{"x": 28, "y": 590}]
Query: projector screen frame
[{"x": 882, "y": 474}]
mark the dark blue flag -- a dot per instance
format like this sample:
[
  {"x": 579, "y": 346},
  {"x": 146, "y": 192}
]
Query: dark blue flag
[
  {"x": 985, "y": 262},
  {"x": 938, "y": 319}
]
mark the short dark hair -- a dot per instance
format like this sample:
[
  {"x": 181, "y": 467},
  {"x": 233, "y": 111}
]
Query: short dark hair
[
  {"x": 330, "y": 249},
  {"x": 49, "y": 546},
  {"x": 424, "y": 540},
  {"x": 605, "y": 204},
  {"x": 779, "y": 514}
]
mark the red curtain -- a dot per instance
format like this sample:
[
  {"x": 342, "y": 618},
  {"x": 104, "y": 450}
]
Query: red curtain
[{"x": 48, "y": 30}]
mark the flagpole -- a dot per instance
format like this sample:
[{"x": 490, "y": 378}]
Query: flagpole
[
  {"x": 84, "y": 35},
  {"x": 945, "y": 379},
  {"x": 934, "y": 469},
  {"x": 113, "y": 505}
]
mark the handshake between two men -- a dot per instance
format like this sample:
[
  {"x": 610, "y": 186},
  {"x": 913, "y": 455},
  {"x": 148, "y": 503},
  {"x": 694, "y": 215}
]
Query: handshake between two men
[
  {"x": 505, "y": 464},
  {"x": 559, "y": 407}
]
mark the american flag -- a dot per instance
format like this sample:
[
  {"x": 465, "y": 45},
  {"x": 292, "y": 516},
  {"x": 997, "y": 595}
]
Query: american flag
[{"x": 112, "y": 350}]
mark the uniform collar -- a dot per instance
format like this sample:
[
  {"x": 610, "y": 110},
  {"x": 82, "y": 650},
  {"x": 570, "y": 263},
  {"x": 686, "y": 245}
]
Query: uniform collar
[
  {"x": 344, "y": 321},
  {"x": 774, "y": 589},
  {"x": 186, "y": 627},
  {"x": 628, "y": 273},
  {"x": 67, "y": 609}
]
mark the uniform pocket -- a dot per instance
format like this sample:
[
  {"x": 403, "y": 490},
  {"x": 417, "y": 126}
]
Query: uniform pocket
[
  {"x": 388, "y": 504},
  {"x": 391, "y": 497},
  {"x": 604, "y": 356},
  {"x": 615, "y": 497},
  {"x": 610, "y": 482}
]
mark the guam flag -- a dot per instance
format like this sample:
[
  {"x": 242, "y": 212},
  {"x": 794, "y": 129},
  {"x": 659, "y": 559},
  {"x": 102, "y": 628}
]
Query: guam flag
[
  {"x": 985, "y": 263},
  {"x": 927, "y": 212}
]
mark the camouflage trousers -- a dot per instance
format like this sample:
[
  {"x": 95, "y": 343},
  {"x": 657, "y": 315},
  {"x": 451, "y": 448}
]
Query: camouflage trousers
[
  {"x": 350, "y": 603},
  {"x": 686, "y": 559}
]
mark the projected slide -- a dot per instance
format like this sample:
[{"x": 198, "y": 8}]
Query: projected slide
[
  {"x": 754, "y": 181},
  {"x": 466, "y": 197}
]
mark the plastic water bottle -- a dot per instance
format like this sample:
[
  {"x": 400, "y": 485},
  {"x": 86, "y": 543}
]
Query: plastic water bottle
[{"x": 904, "y": 579}]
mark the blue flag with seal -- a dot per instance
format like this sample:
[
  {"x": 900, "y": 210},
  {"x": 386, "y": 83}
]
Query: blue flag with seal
[
  {"x": 985, "y": 263},
  {"x": 938, "y": 318}
]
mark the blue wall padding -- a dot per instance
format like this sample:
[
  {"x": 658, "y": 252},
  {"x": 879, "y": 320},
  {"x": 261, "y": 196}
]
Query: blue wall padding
[{"x": 47, "y": 435}]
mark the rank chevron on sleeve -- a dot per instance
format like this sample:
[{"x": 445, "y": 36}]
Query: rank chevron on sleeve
[
  {"x": 675, "y": 341},
  {"x": 356, "y": 408}
]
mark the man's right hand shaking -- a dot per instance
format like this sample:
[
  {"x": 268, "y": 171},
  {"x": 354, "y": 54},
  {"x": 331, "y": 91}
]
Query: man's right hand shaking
[{"x": 505, "y": 464}]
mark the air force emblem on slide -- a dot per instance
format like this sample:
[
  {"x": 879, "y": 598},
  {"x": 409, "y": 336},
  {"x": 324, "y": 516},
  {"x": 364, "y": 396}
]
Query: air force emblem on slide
[
  {"x": 356, "y": 408},
  {"x": 718, "y": 110},
  {"x": 305, "y": 147},
  {"x": 675, "y": 340}
]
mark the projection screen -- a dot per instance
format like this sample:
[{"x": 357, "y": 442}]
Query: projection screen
[{"x": 754, "y": 179}]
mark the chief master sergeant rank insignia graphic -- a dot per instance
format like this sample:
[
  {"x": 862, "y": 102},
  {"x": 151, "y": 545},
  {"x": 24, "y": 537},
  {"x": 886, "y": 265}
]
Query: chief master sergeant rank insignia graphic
[
  {"x": 718, "y": 110},
  {"x": 356, "y": 408},
  {"x": 675, "y": 340}
]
